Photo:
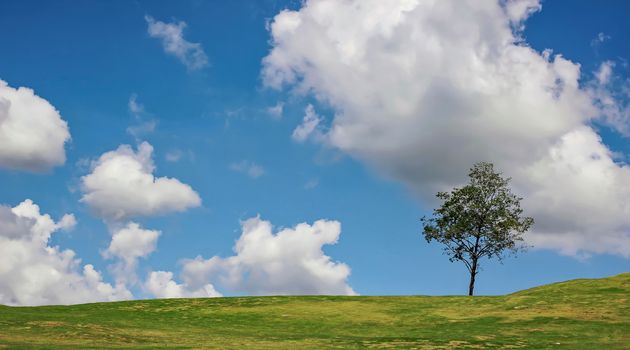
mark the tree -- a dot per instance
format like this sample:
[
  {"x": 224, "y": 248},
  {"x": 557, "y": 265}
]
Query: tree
[{"x": 481, "y": 219}]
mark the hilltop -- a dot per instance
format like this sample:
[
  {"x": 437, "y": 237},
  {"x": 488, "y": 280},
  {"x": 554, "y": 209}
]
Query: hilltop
[{"x": 577, "y": 314}]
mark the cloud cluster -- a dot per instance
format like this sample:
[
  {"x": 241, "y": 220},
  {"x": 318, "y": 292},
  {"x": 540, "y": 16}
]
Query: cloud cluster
[
  {"x": 290, "y": 261},
  {"x": 32, "y": 133},
  {"x": 34, "y": 273},
  {"x": 122, "y": 185},
  {"x": 423, "y": 89},
  {"x": 172, "y": 37}
]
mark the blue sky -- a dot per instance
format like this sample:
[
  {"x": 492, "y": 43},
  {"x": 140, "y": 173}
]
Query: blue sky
[{"x": 90, "y": 59}]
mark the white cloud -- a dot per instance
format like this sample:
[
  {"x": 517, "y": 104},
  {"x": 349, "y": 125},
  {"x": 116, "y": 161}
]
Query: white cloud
[
  {"x": 129, "y": 243},
  {"x": 423, "y": 89},
  {"x": 122, "y": 185},
  {"x": 290, "y": 261},
  {"x": 32, "y": 133},
  {"x": 173, "y": 42},
  {"x": 252, "y": 169},
  {"x": 160, "y": 284},
  {"x": 518, "y": 11},
  {"x": 34, "y": 273},
  {"x": 276, "y": 111},
  {"x": 310, "y": 127}
]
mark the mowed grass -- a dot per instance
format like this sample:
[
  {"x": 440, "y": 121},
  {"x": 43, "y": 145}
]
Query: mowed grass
[{"x": 579, "y": 314}]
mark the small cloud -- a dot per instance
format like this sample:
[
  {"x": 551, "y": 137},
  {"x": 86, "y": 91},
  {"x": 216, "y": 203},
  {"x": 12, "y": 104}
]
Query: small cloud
[
  {"x": 172, "y": 37},
  {"x": 173, "y": 156},
  {"x": 252, "y": 169},
  {"x": 276, "y": 111},
  {"x": 83, "y": 164},
  {"x": 310, "y": 184},
  {"x": 143, "y": 127},
  {"x": 604, "y": 72},
  {"x": 310, "y": 127},
  {"x": 599, "y": 40},
  {"x": 135, "y": 107}
]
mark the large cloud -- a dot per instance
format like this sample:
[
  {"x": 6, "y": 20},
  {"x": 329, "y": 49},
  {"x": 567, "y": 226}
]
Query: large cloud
[
  {"x": 34, "y": 273},
  {"x": 423, "y": 89},
  {"x": 121, "y": 186},
  {"x": 32, "y": 133},
  {"x": 290, "y": 261}
]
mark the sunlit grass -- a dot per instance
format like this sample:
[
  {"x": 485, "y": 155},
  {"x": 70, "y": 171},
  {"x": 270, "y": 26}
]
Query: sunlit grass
[{"x": 580, "y": 314}]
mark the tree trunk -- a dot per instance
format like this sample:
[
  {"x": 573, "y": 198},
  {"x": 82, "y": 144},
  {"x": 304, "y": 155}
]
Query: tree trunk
[{"x": 473, "y": 274}]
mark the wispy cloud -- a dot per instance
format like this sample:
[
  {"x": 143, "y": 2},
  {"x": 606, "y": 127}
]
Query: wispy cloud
[
  {"x": 172, "y": 37},
  {"x": 310, "y": 127},
  {"x": 135, "y": 107},
  {"x": 310, "y": 184},
  {"x": 276, "y": 111},
  {"x": 144, "y": 126},
  {"x": 599, "y": 39},
  {"x": 173, "y": 156},
  {"x": 252, "y": 169}
]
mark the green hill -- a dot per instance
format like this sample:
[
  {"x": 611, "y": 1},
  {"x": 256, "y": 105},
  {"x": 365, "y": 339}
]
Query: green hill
[{"x": 579, "y": 314}]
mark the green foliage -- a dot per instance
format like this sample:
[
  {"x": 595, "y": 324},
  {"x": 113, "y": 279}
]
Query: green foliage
[
  {"x": 580, "y": 314},
  {"x": 482, "y": 219}
]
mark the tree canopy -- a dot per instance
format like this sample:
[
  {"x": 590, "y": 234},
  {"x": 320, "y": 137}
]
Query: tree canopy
[{"x": 481, "y": 219}]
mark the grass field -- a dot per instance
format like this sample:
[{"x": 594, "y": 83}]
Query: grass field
[{"x": 581, "y": 314}]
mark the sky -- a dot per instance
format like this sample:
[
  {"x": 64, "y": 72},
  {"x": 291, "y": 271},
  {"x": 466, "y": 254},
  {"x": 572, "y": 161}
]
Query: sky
[{"x": 210, "y": 148}]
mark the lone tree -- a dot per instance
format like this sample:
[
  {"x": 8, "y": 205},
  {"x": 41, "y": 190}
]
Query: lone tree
[{"x": 482, "y": 219}]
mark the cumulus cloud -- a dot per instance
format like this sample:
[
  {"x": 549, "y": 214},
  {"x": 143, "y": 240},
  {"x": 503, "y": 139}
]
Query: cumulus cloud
[
  {"x": 160, "y": 284},
  {"x": 172, "y": 37},
  {"x": 252, "y": 169},
  {"x": 310, "y": 126},
  {"x": 423, "y": 89},
  {"x": 32, "y": 133},
  {"x": 290, "y": 261},
  {"x": 122, "y": 185},
  {"x": 129, "y": 243},
  {"x": 34, "y": 273}
]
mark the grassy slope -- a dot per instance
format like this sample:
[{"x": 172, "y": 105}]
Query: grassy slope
[{"x": 579, "y": 314}]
